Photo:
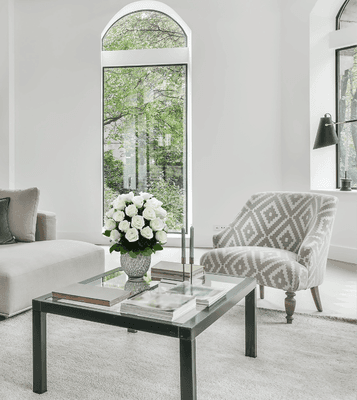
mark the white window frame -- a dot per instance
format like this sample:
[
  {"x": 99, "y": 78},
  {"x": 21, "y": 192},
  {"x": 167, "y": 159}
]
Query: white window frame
[
  {"x": 146, "y": 57},
  {"x": 338, "y": 40}
]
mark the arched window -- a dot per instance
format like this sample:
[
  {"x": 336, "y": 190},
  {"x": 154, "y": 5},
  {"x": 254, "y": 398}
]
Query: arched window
[
  {"x": 146, "y": 108},
  {"x": 346, "y": 96}
]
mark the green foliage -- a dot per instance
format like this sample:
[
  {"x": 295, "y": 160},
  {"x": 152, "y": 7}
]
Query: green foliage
[
  {"x": 113, "y": 172},
  {"x": 173, "y": 198},
  {"x": 347, "y": 103},
  {"x": 144, "y": 30},
  {"x": 109, "y": 196}
]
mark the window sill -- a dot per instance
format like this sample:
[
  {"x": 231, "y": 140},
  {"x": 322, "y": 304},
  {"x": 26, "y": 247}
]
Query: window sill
[{"x": 334, "y": 191}]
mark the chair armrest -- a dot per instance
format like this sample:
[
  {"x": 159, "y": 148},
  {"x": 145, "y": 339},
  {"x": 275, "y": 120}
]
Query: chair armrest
[
  {"x": 311, "y": 250},
  {"x": 314, "y": 249},
  {"x": 229, "y": 237},
  {"x": 219, "y": 240},
  {"x": 45, "y": 226}
]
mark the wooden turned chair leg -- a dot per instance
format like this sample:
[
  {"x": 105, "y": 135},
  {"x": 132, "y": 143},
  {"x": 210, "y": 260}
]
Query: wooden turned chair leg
[
  {"x": 290, "y": 303},
  {"x": 261, "y": 291},
  {"x": 316, "y": 296}
]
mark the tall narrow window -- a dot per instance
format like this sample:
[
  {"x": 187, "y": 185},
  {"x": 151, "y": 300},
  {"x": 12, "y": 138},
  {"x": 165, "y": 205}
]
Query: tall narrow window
[
  {"x": 346, "y": 98},
  {"x": 145, "y": 62}
]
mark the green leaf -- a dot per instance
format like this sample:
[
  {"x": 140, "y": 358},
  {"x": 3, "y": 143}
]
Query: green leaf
[
  {"x": 157, "y": 247},
  {"x": 122, "y": 250},
  {"x": 106, "y": 233},
  {"x": 133, "y": 254},
  {"x": 147, "y": 252},
  {"x": 115, "y": 247}
]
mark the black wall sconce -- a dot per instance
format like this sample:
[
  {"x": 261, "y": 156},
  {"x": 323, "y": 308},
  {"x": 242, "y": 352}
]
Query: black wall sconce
[{"x": 326, "y": 136}]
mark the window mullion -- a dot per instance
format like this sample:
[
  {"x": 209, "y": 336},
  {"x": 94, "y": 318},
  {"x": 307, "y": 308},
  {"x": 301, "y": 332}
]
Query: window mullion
[{"x": 123, "y": 58}]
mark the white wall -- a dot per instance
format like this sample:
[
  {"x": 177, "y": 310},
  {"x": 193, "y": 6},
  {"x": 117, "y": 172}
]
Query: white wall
[
  {"x": 307, "y": 94},
  {"x": 236, "y": 106},
  {"x": 251, "y": 108},
  {"x": 4, "y": 90}
]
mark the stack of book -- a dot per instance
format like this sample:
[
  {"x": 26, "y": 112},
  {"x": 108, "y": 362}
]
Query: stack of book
[
  {"x": 174, "y": 271},
  {"x": 104, "y": 296},
  {"x": 159, "y": 305},
  {"x": 205, "y": 295}
]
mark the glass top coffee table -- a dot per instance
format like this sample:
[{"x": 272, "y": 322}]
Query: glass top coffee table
[{"x": 186, "y": 328}]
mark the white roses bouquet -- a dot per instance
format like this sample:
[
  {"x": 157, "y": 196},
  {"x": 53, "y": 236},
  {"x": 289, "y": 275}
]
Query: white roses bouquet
[{"x": 136, "y": 224}]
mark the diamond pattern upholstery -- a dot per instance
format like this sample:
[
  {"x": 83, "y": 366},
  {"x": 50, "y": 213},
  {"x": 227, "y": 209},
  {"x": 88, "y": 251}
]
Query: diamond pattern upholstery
[{"x": 279, "y": 238}]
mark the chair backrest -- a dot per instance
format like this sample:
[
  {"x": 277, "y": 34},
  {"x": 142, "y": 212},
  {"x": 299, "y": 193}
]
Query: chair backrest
[{"x": 279, "y": 220}]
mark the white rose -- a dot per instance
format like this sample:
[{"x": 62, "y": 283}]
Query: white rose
[
  {"x": 128, "y": 196},
  {"x": 157, "y": 224},
  {"x": 119, "y": 203},
  {"x": 131, "y": 210},
  {"x": 161, "y": 236},
  {"x": 114, "y": 235},
  {"x": 118, "y": 216},
  {"x": 153, "y": 203},
  {"x": 110, "y": 224},
  {"x": 149, "y": 213},
  {"x": 138, "y": 201},
  {"x": 137, "y": 222},
  {"x": 110, "y": 213},
  {"x": 166, "y": 228},
  {"x": 124, "y": 225},
  {"x": 145, "y": 196},
  {"x": 147, "y": 232},
  {"x": 160, "y": 212},
  {"x": 132, "y": 235}
]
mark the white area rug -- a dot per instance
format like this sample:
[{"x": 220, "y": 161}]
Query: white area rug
[{"x": 314, "y": 358}]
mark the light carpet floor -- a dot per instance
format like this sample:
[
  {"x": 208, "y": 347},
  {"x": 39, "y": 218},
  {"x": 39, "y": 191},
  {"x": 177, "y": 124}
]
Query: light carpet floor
[{"x": 314, "y": 358}]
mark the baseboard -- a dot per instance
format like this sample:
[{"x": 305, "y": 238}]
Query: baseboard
[{"x": 344, "y": 254}]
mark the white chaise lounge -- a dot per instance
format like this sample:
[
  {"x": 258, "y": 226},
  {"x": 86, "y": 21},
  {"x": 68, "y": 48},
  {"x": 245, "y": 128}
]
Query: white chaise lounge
[{"x": 32, "y": 269}]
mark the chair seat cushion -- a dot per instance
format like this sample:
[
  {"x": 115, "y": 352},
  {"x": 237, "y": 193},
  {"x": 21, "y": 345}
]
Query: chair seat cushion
[{"x": 272, "y": 267}]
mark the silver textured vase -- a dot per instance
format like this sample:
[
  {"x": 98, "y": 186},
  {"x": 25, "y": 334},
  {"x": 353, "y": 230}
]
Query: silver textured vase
[{"x": 135, "y": 268}]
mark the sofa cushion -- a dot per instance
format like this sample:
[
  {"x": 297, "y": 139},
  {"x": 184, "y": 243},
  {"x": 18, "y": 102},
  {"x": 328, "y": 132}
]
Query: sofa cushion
[
  {"x": 6, "y": 237},
  {"x": 46, "y": 226},
  {"x": 30, "y": 270},
  {"x": 270, "y": 267},
  {"x": 22, "y": 212}
]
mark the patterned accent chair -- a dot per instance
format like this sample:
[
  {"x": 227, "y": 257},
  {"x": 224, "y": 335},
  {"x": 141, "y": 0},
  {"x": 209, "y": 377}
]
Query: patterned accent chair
[{"x": 279, "y": 238}]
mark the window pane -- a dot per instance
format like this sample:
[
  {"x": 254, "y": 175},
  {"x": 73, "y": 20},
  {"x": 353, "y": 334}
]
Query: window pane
[
  {"x": 348, "y": 16},
  {"x": 144, "y": 30},
  {"x": 144, "y": 124},
  {"x": 347, "y": 110}
]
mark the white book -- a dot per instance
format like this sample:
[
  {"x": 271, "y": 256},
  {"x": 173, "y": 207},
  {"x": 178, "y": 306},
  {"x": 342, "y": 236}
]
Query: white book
[
  {"x": 161, "y": 305},
  {"x": 174, "y": 271},
  {"x": 100, "y": 295},
  {"x": 205, "y": 295}
]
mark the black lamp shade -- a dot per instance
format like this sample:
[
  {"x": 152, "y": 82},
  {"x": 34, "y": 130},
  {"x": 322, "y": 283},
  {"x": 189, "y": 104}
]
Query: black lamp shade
[{"x": 326, "y": 135}]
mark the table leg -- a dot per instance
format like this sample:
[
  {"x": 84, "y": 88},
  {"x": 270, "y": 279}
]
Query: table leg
[
  {"x": 39, "y": 351},
  {"x": 188, "y": 369},
  {"x": 251, "y": 324}
]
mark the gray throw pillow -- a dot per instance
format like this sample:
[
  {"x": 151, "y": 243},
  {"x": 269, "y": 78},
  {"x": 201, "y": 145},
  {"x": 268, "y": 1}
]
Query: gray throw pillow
[
  {"x": 22, "y": 212},
  {"x": 6, "y": 237}
]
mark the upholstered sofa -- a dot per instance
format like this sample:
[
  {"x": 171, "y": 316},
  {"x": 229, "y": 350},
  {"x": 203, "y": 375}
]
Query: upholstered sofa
[{"x": 33, "y": 268}]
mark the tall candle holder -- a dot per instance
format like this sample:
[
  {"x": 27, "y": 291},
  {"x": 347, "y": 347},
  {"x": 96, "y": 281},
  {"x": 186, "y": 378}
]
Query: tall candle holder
[
  {"x": 191, "y": 252},
  {"x": 183, "y": 252}
]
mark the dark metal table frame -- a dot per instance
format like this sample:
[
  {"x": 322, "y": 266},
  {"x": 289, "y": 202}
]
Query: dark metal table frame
[{"x": 186, "y": 332}]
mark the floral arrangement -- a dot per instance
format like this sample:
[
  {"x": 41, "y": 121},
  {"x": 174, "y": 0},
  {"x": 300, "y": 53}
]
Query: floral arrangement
[{"x": 136, "y": 224}]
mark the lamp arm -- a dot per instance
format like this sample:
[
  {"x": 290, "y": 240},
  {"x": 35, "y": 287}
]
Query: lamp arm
[{"x": 343, "y": 122}]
